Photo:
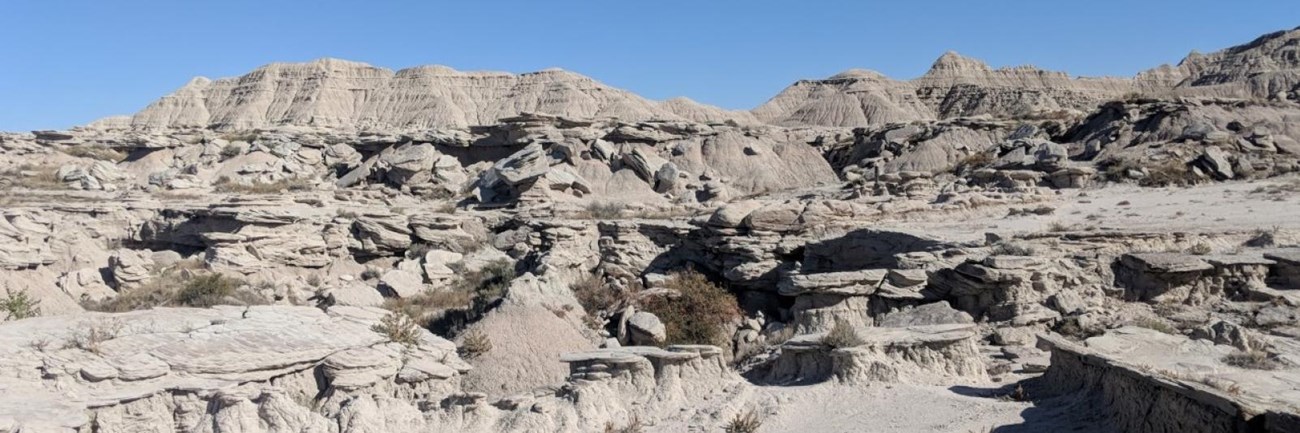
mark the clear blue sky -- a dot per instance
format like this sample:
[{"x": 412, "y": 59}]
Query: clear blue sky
[{"x": 67, "y": 62}]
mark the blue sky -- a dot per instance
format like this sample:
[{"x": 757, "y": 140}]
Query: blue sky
[{"x": 67, "y": 62}]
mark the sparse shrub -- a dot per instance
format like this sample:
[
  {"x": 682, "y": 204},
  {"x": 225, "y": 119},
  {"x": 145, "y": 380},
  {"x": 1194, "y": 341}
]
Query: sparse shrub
[
  {"x": 424, "y": 306},
  {"x": 1156, "y": 325},
  {"x": 37, "y": 177},
  {"x": 19, "y": 305},
  {"x": 1263, "y": 238},
  {"x": 1252, "y": 359},
  {"x": 1057, "y": 227},
  {"x": 95, "y": 151},
  {"x": 604, "y": 210},
  {"x": 417, "y": 251},
  {"x": 842, "y": 334},
  {"x": 226, "y": 185},
  {"x": 698, "y": 314},
  {"x": 231, "y": 151},
  {"x": 90, "y": 337},
  {"x": 633, "y": 426},
  {"x": 207, "y": 290},
  {"x": 370, "y": 273},
  {"x": 398, "y": 328},
  {"x": 474, "y": 344},
  {"x": 1013, "y": 249},
  {"x": 975, "y": 161},
  {"x": 1169, "y": 173},
  {"x": 467, "y": 298},
  {"x": 1200, "y": 249},
  {"x": 179, "y": 286},
  {"x": 594, "y": 295},
  {"x": 244, "y": 136},
  {"x": 747, "y": 422}
]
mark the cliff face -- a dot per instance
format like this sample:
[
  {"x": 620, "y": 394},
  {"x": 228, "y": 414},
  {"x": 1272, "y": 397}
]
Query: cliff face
[
  {"x": 337, "y": 93},
  {"x": 958, "y": 86}
]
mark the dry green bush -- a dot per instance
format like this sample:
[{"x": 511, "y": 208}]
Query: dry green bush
[
  {"x": 95, "y": 151},
  {"x": 747, "y": 422},
  {"x": 474, "y": 344},
  {"x": 1253, "y": 359},
  {"x": 398, "y": 328},
  {"x": 19, "y": 305},
  {"x": 698, "y": 313},
  {"x": 180, "y": 286},
  {"x": 226, "y": 185},
  {"x": 842, "y": 334}
]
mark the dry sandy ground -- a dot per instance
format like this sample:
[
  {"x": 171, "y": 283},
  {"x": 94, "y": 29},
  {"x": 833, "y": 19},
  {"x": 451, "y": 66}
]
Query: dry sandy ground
[{"x": 1218, "y": 208}]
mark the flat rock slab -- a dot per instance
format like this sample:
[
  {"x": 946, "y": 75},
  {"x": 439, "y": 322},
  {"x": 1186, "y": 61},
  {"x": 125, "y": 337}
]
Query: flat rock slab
[
  {"x": 143, "y": 353},
  {"x": 1166, "y": 262}
]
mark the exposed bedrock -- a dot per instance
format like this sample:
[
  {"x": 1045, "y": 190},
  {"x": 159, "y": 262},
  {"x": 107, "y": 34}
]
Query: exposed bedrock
[
  {"x": 933, "y": 354},
  {"x": 1130, "y": 382}
]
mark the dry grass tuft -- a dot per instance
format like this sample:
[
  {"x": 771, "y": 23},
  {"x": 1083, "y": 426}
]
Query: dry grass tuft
[
  {"x": 474, "y": 344},
  {"x": 226, "y": 185},
  {"x": 842, "y": 334},
  {"x": 1253, "y": 359},
  {"x": 398, "y": 328},
  {"x": 96, "y": 152},
  {"x": 747, "y": 422}
]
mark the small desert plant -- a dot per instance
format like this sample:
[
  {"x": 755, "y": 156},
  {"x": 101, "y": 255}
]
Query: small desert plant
[
  {"x": 1252, "y": 359},
  {"x": 1012, "y": 249},
  {"x": 244, "y": 136},
  {"x": 1263, "y": 238},
  {"x": 1169, "y": 173},
  {"x": 424, "y": 306},
  {"x": 698, "y": 314},
  {"x": 1156, "y": 325},
  {"x": 1057, "y": 227},
  {"x": 231, "y": 151},
  {"x": 474, "y": 344},
  {"x": 370, "y": 273},
  {"x": 604, "y": 210},
  {"x": 19, "y": 305},
  {"x": 842, "y": 334},
  {"x": 747, "y": 422},
  {"x": 227, "y": 185},
  {"x": 1200, "y": 249},
  {"x": 38, "y": 177},
  {"x": 398, "y": 328},
  {"x": 207, "y": 290},
  {"x": 975, "y": 161},
  {"x": 633, "y": 426},
  {"x": 90, "y": 337},
  {"x": 95, "y": 151},
  {"x": 594, "y": 295},
  {"x": 179, "y": 286}
]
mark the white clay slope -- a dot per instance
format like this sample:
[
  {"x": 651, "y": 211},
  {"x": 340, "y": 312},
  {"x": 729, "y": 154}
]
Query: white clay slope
[{"x": 338, "y": 93}]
